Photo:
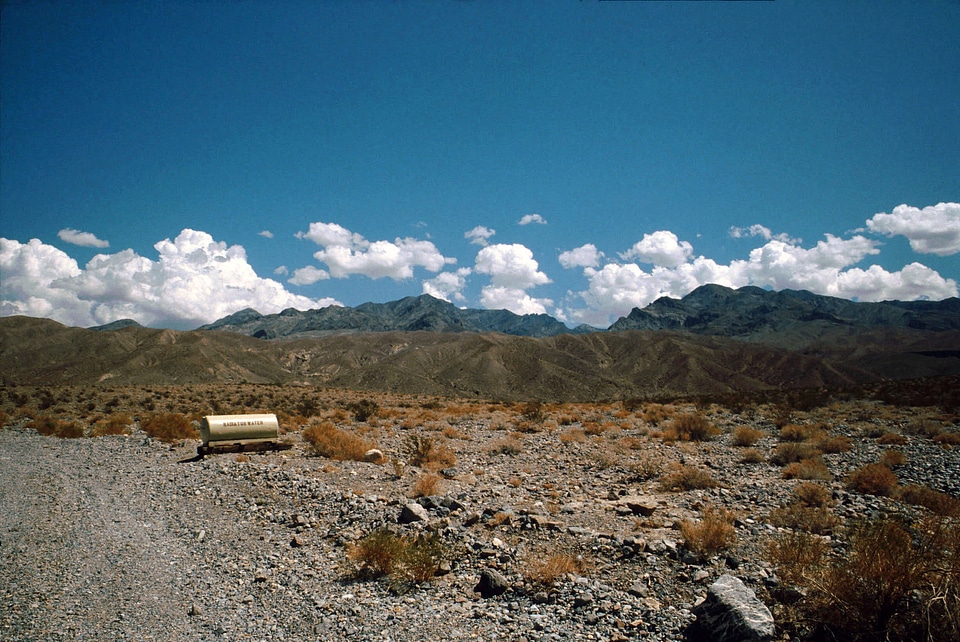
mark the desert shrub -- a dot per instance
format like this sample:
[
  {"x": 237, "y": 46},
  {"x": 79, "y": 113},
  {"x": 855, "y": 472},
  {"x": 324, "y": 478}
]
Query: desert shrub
[
  {"x": 812, "y": 468},
  {"x": 891, "y": 439},
  {"x": 687, "y": 478},
  {"x": 924, "y": 427},
  {"x": 528, "y": 427},
  {"x": 811, "y": 494},
  {"x": 873, "y": 479},
  {"x": 364, "y": 409},
  {"x": 712, "y": 534},
  {"x": 327, "y": 440},
  {"x": 426, "y": 485},
  {"x": 4, "y": 419},
  {"x": 546, "y": 570},
  {"x": 654, "y": 413},
  {"x": 796, "y": 556},
  {"x": 532, "y": 411},
  {"x": 790, "y": 452},
  {"x": 751, "y": 456},
  {"x": 405, "y": 558},
  {"x": 834, "y": 445},
  {"x": 573, "y": 435},
  {"x": 690, "y": 426},
  {"x": 818, "y": 520},
  {"x": 745, "y": 436},
  {"x": 648, "y": 465},
  {"x": 427, "y": 452},
  {"x": 947, "y": 439},
  {"x": 169, "y": 427},
  {"x": 508, "y": 446},
  {"x": 793, "y": 432},
  {"x": 894, "y": 583},
  {"x": 891, "y": 458},
  {"x": 51, "y": 426},
  {"x": 118, "y": 423},
  {"x": 939, "y": 503}
]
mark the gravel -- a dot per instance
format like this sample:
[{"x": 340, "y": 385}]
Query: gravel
[{"x": 126, "y": 538}]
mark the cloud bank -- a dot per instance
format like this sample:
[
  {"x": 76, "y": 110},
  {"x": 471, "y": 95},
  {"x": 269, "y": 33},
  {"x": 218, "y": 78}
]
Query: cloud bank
[
  {"x": 195, "y": 280},
  {"x": 347, "y": 253}
]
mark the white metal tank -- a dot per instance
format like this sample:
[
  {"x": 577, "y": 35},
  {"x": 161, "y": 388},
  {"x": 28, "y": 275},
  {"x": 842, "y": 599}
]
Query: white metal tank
[{"x": 238, "y": 429}]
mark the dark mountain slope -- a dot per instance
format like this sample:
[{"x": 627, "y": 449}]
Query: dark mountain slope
[{"x": 411, "y": 314}]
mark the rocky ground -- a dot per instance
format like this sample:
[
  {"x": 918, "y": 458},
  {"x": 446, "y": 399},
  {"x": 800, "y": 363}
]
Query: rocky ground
[{"x": 128, "y": 538}]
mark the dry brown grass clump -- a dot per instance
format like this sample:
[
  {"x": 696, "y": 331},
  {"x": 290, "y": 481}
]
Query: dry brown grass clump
[
  {"x": 891, "y": 458},
  {"x": 327, "y": 440},
  {"x": 547, "y": 570},
  {"x": 52, "y": 426},
  {"x": 798, "y": 433},
  {"x": 812, "y": 468},
  {"x": 170, "y": 427},
  {"x": 873, "y": 479},
  {"x": 891, "y": 439},
  {"x": 712, "y": 534},
  {"x": 790, "y": 452},
  {"x": 894, "y": 583},
  {"x": 119, "y": 423},
  {"x": 430, "y": 453},
  {"x": 808, "y": 511},
  {"x": 426, "y": 485},
  {"x": 751, "y": 456},
  {"x": 834, "y": 445},
  {"x": 939, "y": 503},
  {"x": 745, "y": 436},
  {"x": 690, "y": 426},
  {"x": 687, "y": 478}
]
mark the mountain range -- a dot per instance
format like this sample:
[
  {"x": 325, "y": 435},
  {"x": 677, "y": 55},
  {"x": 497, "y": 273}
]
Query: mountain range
[{"x": 713, "y": 341}]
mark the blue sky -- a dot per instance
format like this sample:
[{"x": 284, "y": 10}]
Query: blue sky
[{"x": 174, "y": 162}]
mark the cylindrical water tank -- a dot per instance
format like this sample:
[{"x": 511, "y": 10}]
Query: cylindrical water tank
[{"x": 238, "y": 429}]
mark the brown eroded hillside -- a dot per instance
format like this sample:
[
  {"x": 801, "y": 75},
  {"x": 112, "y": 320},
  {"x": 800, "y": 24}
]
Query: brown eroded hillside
[{"x": 641, "y": 364}]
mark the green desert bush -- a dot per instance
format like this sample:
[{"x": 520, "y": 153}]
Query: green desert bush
[
  {"x": 895, "y": 582},
  {"x": 405, "y": 558}
]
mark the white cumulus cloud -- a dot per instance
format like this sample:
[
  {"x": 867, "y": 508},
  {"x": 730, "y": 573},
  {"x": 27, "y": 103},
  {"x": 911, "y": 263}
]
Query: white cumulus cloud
[
  {"x": 584, "y": 256},
  {"x": 932, "y": 230},
  {"x": 661, "y": 248},
  {"x": 84, "y": 239},
  {"x": 308, "y": 275},
  {"x": 763, "y": 232},
  {"x": 267, "y": 234},
  {"x": 480, "y": 235},
  {"x": 346, "y": 253},
  {"x": 512, "y": 270},
  {"x": 527, "y": 219},
  {"x": 510, "y": 266},
  {"x": 827, "y": 268},
  {"x": 495, "y": 297},
  {"x": 448, "y": 285},
  {"x": 195, "y": 280}
]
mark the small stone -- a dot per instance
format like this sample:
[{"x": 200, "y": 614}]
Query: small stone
[
  {"x": 194, "y": 610},
  {"x": 732, "y": 613},
  {"x": 374, "y": 456},
  {"x": 491, "y": 584},
  {"x": 296, "y": 542},
  {"x": 413, "y": 512},
  {"x": 639, "y": 505}
]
